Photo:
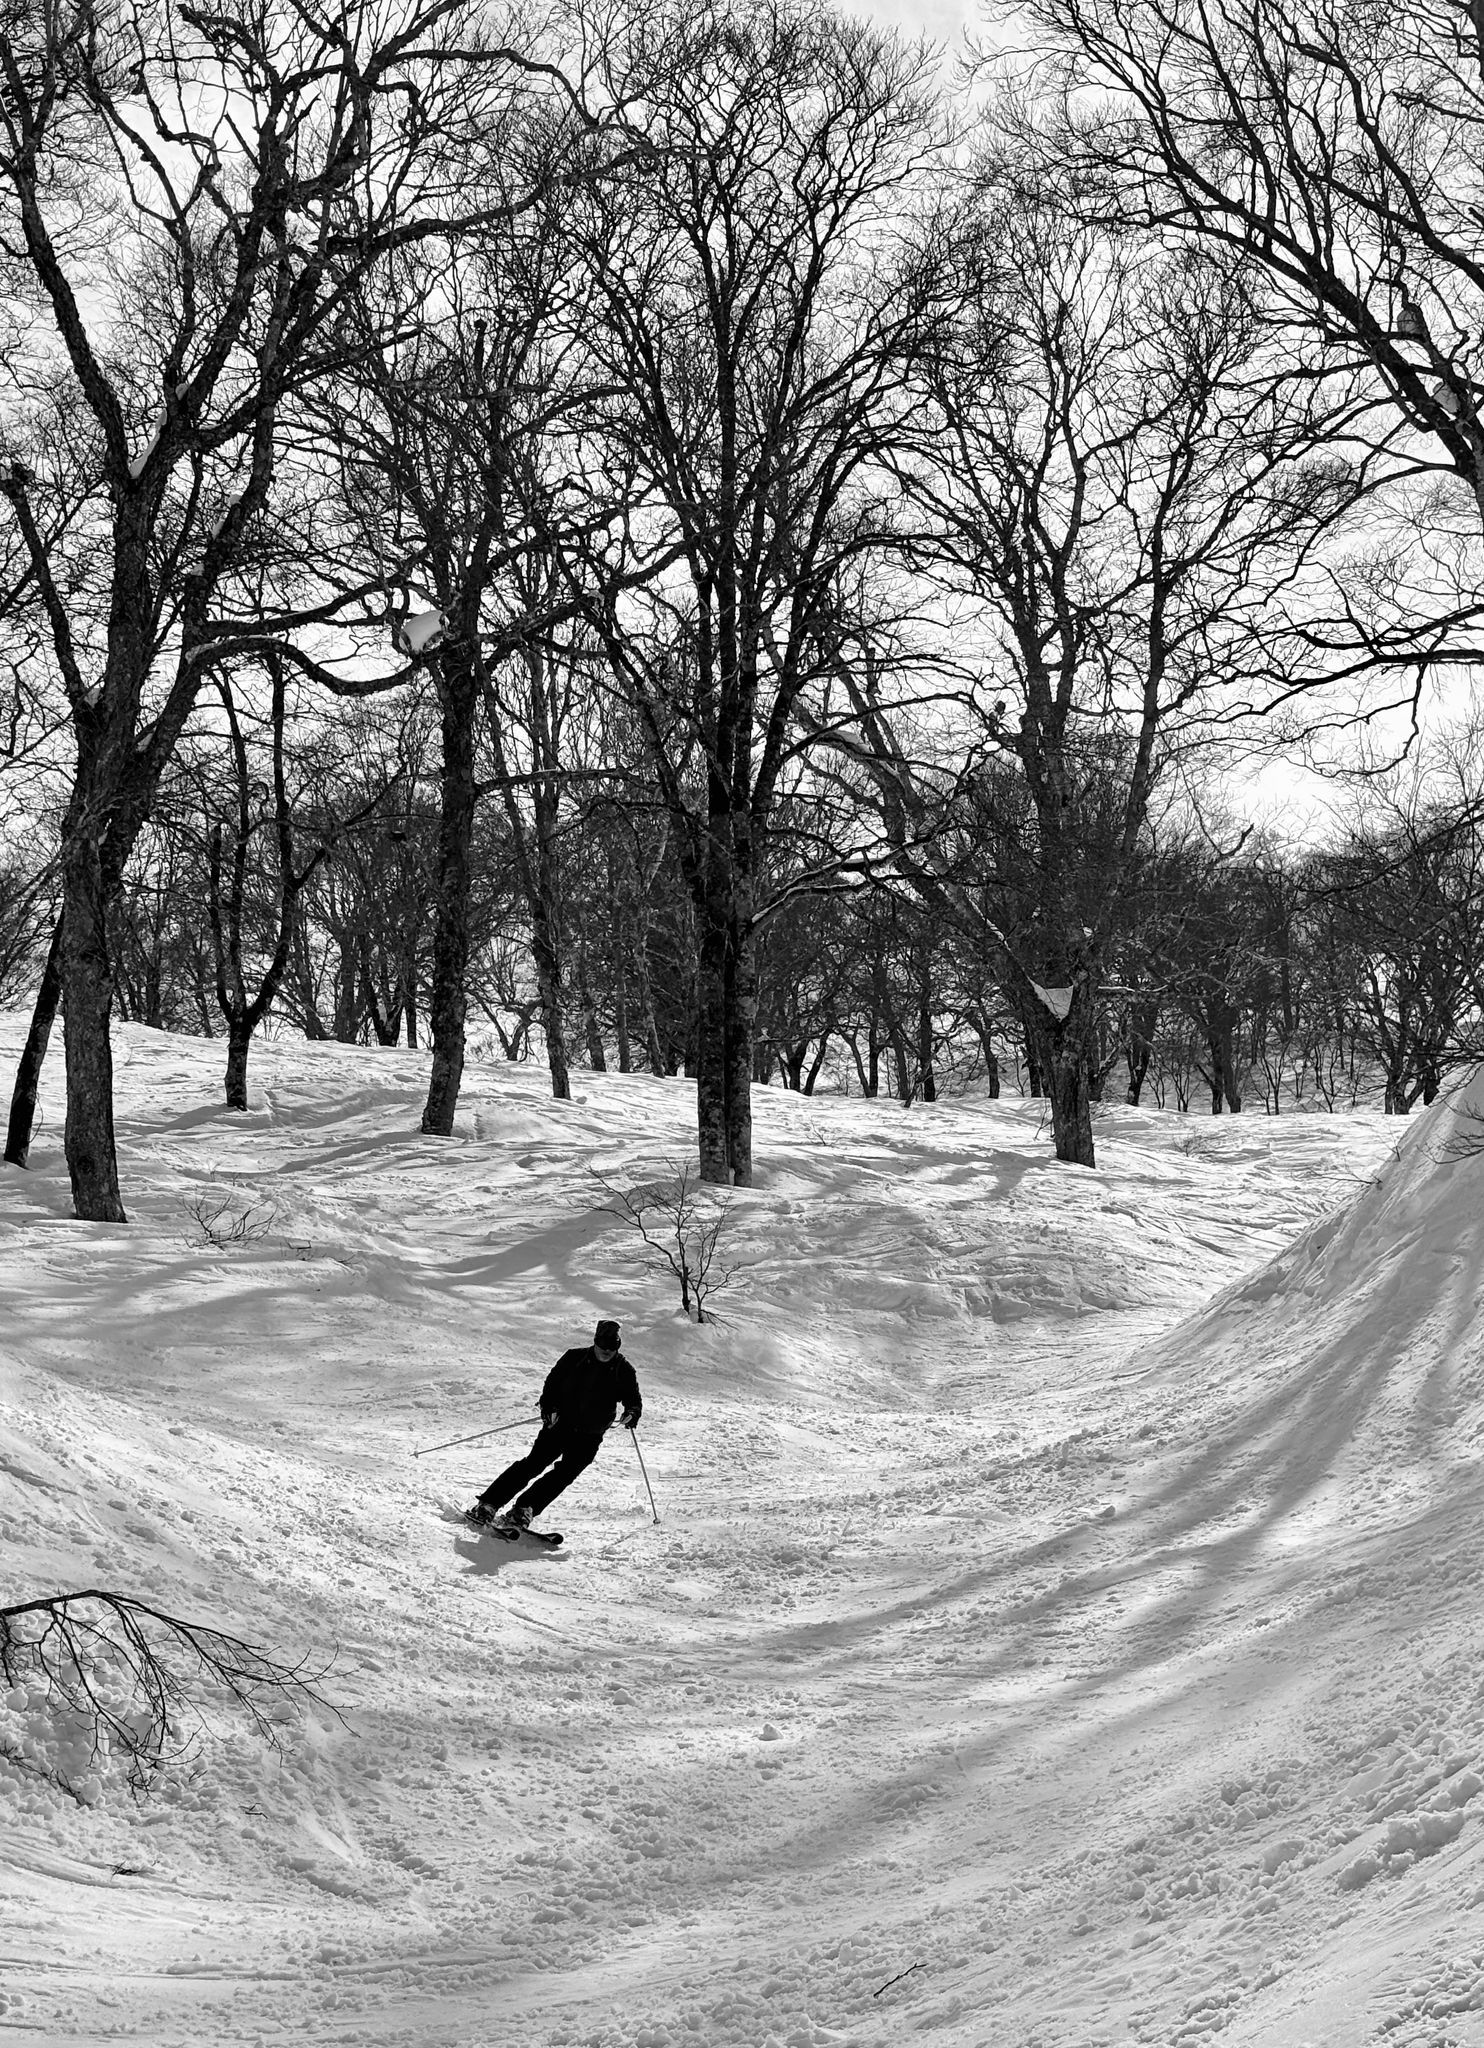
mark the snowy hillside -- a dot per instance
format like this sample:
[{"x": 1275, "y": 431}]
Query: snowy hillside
[{"x": 1063, "y": 1626}]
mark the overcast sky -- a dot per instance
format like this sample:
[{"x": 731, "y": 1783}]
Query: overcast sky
[{"x": 942, "y": 20}]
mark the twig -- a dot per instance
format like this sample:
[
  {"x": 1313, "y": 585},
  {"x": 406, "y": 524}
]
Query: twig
[
  {"x": 67, "y": 1641},
  {"x": 223, "y": 1225},
  {"x": 897, "y": 1979}
]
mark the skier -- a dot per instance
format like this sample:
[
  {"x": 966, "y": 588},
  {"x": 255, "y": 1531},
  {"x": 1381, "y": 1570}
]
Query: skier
[{"x": 578, "y": 1403}]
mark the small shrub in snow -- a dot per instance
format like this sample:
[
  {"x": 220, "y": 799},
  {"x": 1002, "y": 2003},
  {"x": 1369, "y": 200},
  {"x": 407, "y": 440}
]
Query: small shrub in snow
[
  {"x": 224, "y": 1223},
  {"x": 680, "y": 1221}
]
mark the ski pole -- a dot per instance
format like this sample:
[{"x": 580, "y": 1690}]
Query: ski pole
[
  {"x": 642, "y": 1467},
  {"x": 519, "y": 1423}
]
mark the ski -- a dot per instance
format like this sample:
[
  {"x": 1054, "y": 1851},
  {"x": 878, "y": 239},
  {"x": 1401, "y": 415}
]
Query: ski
[{"x": 511, "y": 1532}]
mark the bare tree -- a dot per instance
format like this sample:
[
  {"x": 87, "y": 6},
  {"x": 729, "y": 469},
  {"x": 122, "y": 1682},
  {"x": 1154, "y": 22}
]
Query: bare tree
[
  {"x": 754, "y": 328},
  {"x": 1335, "y": 149},
  {"x": 1121, "y": 483},
  {"x": 188, "y": 200},
  {"x": 1402, "y": 931},
  {"x": 359, "y": 954},
  {"x": 253, "y": 899},
  {"x": 543, "y": 728},
  {"x": 440, "y": 446}
]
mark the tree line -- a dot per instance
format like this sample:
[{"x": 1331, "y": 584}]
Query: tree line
[
  {"x": 1242, "y": 971},
  {"x": 681, "y": 537}
]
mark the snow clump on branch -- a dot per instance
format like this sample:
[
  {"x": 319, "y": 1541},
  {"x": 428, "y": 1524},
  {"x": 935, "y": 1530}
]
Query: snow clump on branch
[{"x": 422, "y": 631}]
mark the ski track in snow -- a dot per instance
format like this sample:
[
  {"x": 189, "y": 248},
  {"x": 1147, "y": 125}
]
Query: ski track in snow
[{"x": 1062, "y": 1629}]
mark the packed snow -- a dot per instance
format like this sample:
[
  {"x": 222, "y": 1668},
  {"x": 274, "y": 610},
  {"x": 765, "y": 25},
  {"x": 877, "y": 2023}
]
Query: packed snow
[{"x": 1062, "y": 1626}]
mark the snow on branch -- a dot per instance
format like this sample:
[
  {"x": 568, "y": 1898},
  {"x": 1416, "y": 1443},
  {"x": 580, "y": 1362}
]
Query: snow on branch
[
  {"x": 421, "y": 632},
  {"x": 139, "y": 462},
  {"x": 1057, "y": 1000}
]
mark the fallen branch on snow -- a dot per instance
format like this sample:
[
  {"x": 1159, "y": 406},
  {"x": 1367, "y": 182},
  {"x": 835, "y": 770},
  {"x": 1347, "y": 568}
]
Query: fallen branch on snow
[{"x": 131, "y": 1673}]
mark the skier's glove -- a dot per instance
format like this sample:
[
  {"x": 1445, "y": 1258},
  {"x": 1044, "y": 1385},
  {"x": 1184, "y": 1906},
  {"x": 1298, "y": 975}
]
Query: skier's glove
[
  {"x": 630, "y": 1418},
  {"x": 548, "y": 1418}
]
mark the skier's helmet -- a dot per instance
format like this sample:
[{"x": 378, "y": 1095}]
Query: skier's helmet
[{"x": 606, "y": 1337}]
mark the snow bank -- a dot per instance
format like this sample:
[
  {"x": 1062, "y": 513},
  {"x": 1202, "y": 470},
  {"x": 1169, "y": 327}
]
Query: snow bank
[
  {"x": 1028, "y": 1653},
  {"x": 1363, "y": 1343}
]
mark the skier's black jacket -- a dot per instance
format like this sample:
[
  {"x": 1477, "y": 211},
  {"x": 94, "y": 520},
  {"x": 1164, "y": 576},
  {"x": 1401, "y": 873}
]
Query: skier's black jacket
[{"x": 584, "y": 1392}]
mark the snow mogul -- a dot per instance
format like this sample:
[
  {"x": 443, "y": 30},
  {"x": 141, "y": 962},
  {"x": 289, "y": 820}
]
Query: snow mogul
[{"x": 583, "y": 1394}]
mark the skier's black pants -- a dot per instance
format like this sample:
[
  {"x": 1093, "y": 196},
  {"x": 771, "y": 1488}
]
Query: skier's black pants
[{"x": 565, "y": 1452}]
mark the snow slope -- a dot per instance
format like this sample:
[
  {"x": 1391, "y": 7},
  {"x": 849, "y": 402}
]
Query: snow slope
[{"x": 1062, "y": 1628}]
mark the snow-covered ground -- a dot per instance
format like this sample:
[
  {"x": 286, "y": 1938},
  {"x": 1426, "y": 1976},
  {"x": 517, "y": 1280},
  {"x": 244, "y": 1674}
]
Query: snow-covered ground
[{"x": 1064, "y": 1625}]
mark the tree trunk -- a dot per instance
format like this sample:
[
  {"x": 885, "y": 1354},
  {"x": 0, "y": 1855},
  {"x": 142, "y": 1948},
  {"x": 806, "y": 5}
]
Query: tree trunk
[
  {"x": 239, "y": 1039},
  {"x": 1035, "y": 1065},
  {"x": 384, "y": 1005},
  {"x": 1063, "y": 1057},
  {"x": 306, "y": 995},
  {"x": 154, "y": 990},
  {"x": 902, "y": 1060},
  {"x": 741, "y": 1026},
  {"x": 654, "y": 1050},
  {"x": 33, "y": 1056},
  {"x": 710, "y": 1056},
  {"x": 87, "y": 1001},
  {"x": 852, "y": 1039},
  {"x": 621, "y": 1017},
  {"x": 985, "y": 1036},
  {"x": 199, "y": 991},
  {"x": 1143, "y": 1019},
  {"x": 597, "y": 1057},
  {"x": 1071, "y": 1105},
  {"x": 549, "y": 993},
  {"x": 244, "y": 1018},
  {"x": 347, "y": 1024},
  {"x": 690, "y": 1051},
  {"x": 447, "y": 996},
  {"x": 726, "y": 1028},
  {"x": 544, "y": 890},
  {"x": 618, "y": 936},
  {"x": 925, "y": 1072},
  {"x": 1221, "y": 1030},
  {"x": 1139, "y": 1057}
]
